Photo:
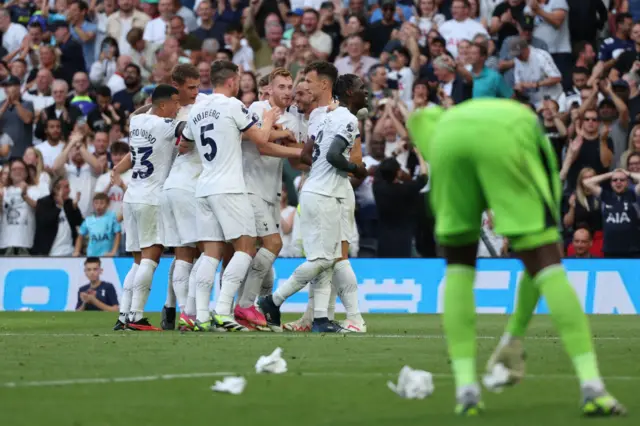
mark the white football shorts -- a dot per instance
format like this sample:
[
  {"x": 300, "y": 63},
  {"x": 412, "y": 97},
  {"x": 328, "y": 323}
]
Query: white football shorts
[
  {"x": 320, "y": 226},
  {"x": 266, "y": 216},
  {"x": 224, "y": 217},
  {"x": 143, "y": 226},
  {"x": 348, "y": 228},
  {"x": 179, "y": 218}
]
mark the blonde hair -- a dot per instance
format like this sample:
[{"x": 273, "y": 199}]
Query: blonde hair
[
  {"x": 39, "y": 163},
  {"x": 630, "y": 148},
  {"x": 581, "y": 196}
]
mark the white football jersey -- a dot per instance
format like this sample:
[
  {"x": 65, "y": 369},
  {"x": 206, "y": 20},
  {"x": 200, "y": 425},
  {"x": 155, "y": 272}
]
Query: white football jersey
[
  {"x": 187, "y": 167},
  {"x": 294, "y": 120},
  {"x": 152, "y": 140},
  {"x": 316, "y": 120},
  {"x": 215, "y": 126},
  {"x": 323, "y": 177}
]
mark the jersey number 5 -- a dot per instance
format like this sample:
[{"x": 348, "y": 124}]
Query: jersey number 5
[
  {"x": 145, "y": 153},
  {"x": 204, "y": 141}
]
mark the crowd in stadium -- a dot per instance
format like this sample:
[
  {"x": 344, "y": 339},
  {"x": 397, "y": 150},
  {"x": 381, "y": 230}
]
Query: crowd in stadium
[{"x": 72, "y": 72}]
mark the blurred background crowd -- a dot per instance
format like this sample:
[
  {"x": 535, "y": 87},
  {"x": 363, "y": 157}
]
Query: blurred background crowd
[{"x": 72, "y": 71}]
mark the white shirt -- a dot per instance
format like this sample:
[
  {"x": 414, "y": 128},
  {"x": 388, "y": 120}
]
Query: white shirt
[
  {"x": 404, "y": 77},
  {"x": 18, "y": 218},
  {"x": 215, "y": 127},
  {"x": 116, "y": 83},
  {"x": 39, "y": 101},
  {"x": 63, "y": 243},
  {"x": 114, "y": 192},
  {"x": 454, "y": 32},
  {"x": 287, "y": 239},
  {"x": 12, "y": 38},
  {"x": 155, "y": 31},
  {"x": 304, "y": 4},
  {"x": 82, "y": 180},
  {"x": 125, "y": 27},
  {"x": 50, "y": 152},
  {"x": 186, "y": 168},
  {"x": 538, "y": 67},
  {"x": 425, "y": 25},
  {"x": 316, "y": 120},
  {"x": 152, "y": 140},
  {"x": 262, "y": 174},
  {"x": 558, "y": 39},
  {"x": 244, "y": 56},
  {"x": 189, "y": 18},
  {"x": 321, "y": 41},
  {"x": 364, "y": 193},
  {"x": 323, "y": 177}
]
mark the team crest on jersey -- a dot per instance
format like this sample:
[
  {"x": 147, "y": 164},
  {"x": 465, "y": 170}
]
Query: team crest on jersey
[
  {"x": 350, "y": 127},
  {"x": 244, "y": 110},
  {"x": 255, "y": 117},
  {"x": 168, "y": 120}
]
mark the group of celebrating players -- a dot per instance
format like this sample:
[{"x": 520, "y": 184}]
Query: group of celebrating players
[{"x": 206, "y": 180}]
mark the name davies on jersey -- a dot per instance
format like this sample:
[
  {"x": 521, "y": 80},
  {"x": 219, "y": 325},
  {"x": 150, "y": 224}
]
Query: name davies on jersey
[
  {"x": 143, "y": 133},
  {"x": 206, "y": 114}
]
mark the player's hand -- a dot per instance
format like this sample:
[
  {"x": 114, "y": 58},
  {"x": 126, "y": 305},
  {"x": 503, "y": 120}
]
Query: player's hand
[
  {"x": 361, "y": 172},
  {"x": 185, "y": 147}
]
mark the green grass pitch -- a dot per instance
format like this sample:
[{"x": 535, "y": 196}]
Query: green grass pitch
[{"x": 70, "y": 369}]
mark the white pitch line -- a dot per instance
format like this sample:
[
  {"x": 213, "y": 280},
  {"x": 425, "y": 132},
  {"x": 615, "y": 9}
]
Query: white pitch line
[
  {"x": 301, "y": 335},
  {"x": 163, "y": 377}
]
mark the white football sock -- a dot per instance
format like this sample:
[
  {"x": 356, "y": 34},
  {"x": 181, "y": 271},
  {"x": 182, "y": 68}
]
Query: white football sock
[
  {"x": 300, "y": 277},
  {"x": 345, "y": 281},
  {"x": 190, "y": 309},
  {"x": 232, "y": 278},
  {"x": 321, "y": 294},
  {"x": 181, "y": 282},
  {"x": 204, "y": 284},
  {"x": 141, "y": 288},
  {"x": 170, "y": 302},
  {"x": 260, "y": 267},
  {"x": 331, "y": 309},
  {"x": 267, "y": 283},
  {"x": 308, "y": 314},
  {"x": 127, "y": 293}
]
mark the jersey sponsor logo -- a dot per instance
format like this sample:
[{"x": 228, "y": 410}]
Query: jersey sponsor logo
[
  {"x": 100, "y": 237},
  {"x": 618, "y": 218}
]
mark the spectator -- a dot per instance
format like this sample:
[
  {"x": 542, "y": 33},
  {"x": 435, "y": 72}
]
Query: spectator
[
  {"x": 81, "y": 98},
  {"x": 426, "y": 19},
  {"x": 453, "y": 88},
  {"x": 204, "y": 69},
  {"x": 142, "y": 52},
  {"x": 625, "y": 60},
  {"x": 580, "y": 76},
  {"x": 486, "y": 82},
  {"x": 401, "y": 73},
  {"x": 366, "y": 213},
  {"x": 461, "y": 27},
  {"x": 262, "y": 48},
  {"x": 489, "y": 44},
  {"x": 581, "y": 245},
  {"x": 633, "y": 162},
  {"x": 536, "y": 75},
  {"x": 621, "y": 225},
  {"x": 278, "y": 60},
  {"x": 115, "y": 189},
  {"x": 355, "y": 62},
  {"x": 123, "y": 100},
  {"x": 53, "y": 145},
  {"x": 209, "y": 27},
  {"x": 188, "y": 42},
  {"x": 102, "y": 229},
  {"x": 330, "y": 24},
  {"x": 6, "y": 143},
  {"x": 594, "y": 148},
  {"x": 396, "y": 200},
  {"x": 82, "y": 31},
  {"x": 21, "y": 11},
  {"x": 320, "y": 42},
  {"x": 106, "y": 66},
  {"x": 554, "y": 127},
  {"x": 61, "y": 110},
  {"x": 16, "y": 117},
  {"x": 41, "y": 178},
  {"x": 18, "y": 203},
  {"x": 585, "y": 211},
  {"x": 189, "y": 20},
  {"x": 97, "y": 295},
  {"x": 505, "y": 19},
  {"x": 301, "y": 54},
  {"x": 12, "y": 34},
  {"x": 116, "y": 82},
  {"x": 379, "y": 33},
  {"x": 242, "y": 53},
  {"x": 553, "y": 28},
  {"x": 586, "y": 19},
  {"x": 82, "y": 169},
  {"x": 156, "y": 30},
  {"x": 18, "y": 69},
  {"x": 121, "y": 22},
  {"x": 585, "y": 55},
  {"x": 612, "y": 47},
  {"x": 101, "y": 145},
  {"x": 633, "y": 145},
  {"x": 294, "y": 19},
  {"x": 287, "y": 217},
  {"x": 507, "y": 61}
]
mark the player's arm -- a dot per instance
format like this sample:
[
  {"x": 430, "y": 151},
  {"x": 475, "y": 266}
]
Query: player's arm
[
  {"x": 276, "y": 150},
  {"x": 260, "y": 135},
  {"x": 124, "y": 165},
  {"x": 356, "y": 157},
  {"x": 307, "y": 152},
  {"x": 593, "y": 183},
  {"x": 337, "y": 160}
]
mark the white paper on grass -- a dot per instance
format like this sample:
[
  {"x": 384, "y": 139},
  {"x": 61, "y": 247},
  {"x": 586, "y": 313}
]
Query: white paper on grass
[
  {"x": 232, "y": 385},
  {"x": 273, "y": 363},
  {"x": 413, "y": 384}
]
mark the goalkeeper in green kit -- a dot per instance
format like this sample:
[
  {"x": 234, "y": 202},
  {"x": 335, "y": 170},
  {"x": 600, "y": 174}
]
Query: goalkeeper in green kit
[{"x": 493, "y": 154}]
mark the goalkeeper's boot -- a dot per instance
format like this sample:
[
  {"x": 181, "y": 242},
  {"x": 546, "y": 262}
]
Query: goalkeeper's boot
[
  {"x": 142, "y": 324},
  {"x": 468, "y": 404},
  {"x": 351, "y": 326},
  {"x": 228, "y": 323},
  {"x": 598, "y": 403},
  {"x": 186, "y": 322},
  {"x": 119, "y": 326},
  {"x": 324, "y": 325},
  {"x": 506, "y": 366},
  {"x": 168, "y": 318},
  {"x": 270, "y": 310},
  {"x": 302, "y": 325}
]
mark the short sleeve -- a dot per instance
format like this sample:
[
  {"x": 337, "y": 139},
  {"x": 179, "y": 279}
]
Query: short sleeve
[
  {"x": 347, "y": 128},
  {"x": 255, "y": 111},
  {"x": 549, "y": 66},
  {"x": 84, "y": 230},
  {"x": 102, "y": 183},
  {"x": 169, "y": 127},
  {"x": 558, "y": 4},
  {"x": 605, "y": 50},
  {"x": 187, "y": 133},
  {"x": 241, "y": 115}
]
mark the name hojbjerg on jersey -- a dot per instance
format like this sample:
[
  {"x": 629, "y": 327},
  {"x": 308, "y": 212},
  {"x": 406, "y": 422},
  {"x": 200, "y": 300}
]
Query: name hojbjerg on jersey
[{"x": 206, "y": 114}]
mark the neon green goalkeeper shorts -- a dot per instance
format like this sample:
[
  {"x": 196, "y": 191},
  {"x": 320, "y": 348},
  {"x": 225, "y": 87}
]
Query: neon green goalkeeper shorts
[{"x": 493, "y": 153}]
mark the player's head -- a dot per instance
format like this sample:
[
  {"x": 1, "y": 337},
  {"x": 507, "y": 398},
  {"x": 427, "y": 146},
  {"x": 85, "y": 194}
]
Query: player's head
[
  {"x": 303, "y": 97},
  {"x": 225, "y": 76},
  {"x": 100, "y": 203},
  {"x": 351, "y": 91},
  {"x": 264, "y": 90},
  {"x": 186, "y": 78},
  {"x": 582, "y": 242},
  {"x": 118, "y": 151},
  {"x": 320, "y": 76},
  {"x": 281, "y": 84},
  {"x": 165, "y": 100},
  {"x": 92, "y": 268}
]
